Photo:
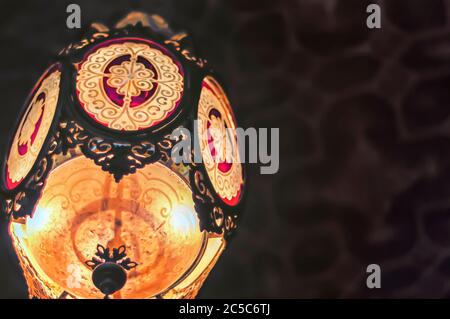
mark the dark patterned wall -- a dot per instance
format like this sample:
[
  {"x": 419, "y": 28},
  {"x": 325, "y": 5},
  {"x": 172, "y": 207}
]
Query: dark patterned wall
[{"x": 365, "y": 135}]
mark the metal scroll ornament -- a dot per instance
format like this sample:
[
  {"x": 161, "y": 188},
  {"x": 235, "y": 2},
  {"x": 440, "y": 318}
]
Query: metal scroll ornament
[{"x": 89, "y": 168}]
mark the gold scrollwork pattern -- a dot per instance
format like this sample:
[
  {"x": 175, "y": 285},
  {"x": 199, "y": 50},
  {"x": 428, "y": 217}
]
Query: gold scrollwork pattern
[
  {"x": 129, "y": 85},
  {"x": 33, "y": 129},
  {"x": 150, "y": 212},
  {"x": 218, "y": 142}
]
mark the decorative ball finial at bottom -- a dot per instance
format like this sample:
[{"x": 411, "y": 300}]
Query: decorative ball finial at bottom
[{"x": 109, "y": 278}]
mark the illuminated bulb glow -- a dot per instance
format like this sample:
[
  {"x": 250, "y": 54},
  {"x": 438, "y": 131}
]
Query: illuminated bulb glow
[
  {"x": 182, "y": 220},
  {"x": 40, "y": 220},
  {"x": 151, "y": 212}
]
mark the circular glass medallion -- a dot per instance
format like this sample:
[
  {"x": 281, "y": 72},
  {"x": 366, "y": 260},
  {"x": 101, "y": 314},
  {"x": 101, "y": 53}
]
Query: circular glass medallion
[
  {"x": 218, "y": 142},
  {"x": 34, "y": 127},
  {"x": 129, "y": 84}
]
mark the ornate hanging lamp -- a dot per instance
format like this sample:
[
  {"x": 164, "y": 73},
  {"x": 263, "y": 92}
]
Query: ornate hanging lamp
[{"x": 97, "y": 205}]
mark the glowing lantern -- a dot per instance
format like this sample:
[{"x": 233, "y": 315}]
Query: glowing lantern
[{"x": 97, "y": 205}]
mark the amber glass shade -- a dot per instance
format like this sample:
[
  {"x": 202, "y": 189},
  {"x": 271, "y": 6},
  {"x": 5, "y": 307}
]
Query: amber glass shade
[
  {"x": 98, "y": 204},
  {"x": 150, "y": 212}
]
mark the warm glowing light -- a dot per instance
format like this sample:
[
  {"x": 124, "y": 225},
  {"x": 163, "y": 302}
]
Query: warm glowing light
[
  {"x": 151, "y": 212},
  {"x": 97, "y": 205},
  {"x": 182, "y": 220},
  {"x": 40, "y": 221}
]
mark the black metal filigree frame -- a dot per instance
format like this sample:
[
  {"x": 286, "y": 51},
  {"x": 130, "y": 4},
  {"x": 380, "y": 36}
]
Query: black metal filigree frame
[
  {"x": 116, "y": 157},
  {"x": 117, "y": 256},
  {"x": 214, "y": 215}
]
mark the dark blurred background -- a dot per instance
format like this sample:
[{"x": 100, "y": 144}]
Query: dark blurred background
[{"x": 365, "y": 135}]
